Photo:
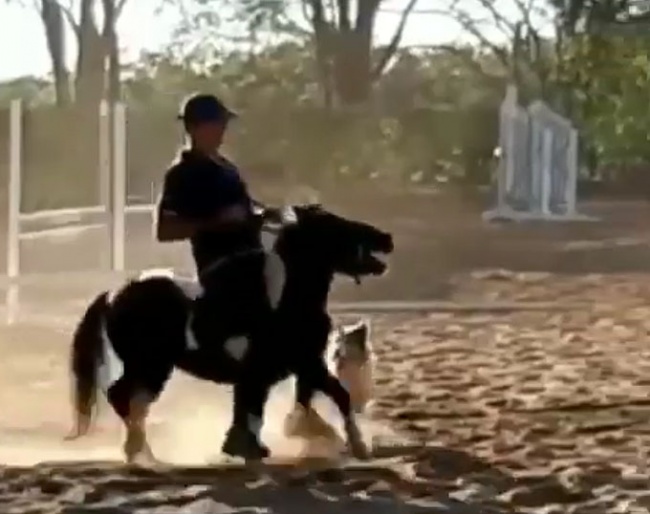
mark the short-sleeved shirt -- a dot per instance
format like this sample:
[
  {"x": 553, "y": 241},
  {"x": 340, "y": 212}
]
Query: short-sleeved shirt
[{"x": 197, "y": 188}]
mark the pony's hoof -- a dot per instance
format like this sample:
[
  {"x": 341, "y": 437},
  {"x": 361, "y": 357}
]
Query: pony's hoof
[
  {"x": 144, "y": 462},
  {"x": 360, "y": 451},
  {"x": 243, "y": 444}
]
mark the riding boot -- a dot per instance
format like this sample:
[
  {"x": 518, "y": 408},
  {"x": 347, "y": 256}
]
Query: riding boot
[
  {"x": 243, "y": 437},
  {"x": 240, "y": 442}
]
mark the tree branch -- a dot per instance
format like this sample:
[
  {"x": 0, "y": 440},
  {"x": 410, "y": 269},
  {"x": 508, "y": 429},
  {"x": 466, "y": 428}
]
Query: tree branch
[
  {"x": 119, "y": 8},
  {"x": 69, "y": 16},
  {"x": 392, "y": 47},
  {"x": 469, "y": 24},
  {"x": 317, "y": 11},
  {"x": 467, "y": 59}
]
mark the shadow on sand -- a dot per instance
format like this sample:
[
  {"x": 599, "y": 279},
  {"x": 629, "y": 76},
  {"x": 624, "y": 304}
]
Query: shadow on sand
[{"x": 409, "y": 479}]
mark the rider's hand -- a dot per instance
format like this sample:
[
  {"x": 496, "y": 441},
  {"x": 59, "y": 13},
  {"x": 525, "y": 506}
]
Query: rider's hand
[
  {"x": 227, "y": 217},
  {"x": 272, "y": 214},
  {"x": 235, "y": 213}
]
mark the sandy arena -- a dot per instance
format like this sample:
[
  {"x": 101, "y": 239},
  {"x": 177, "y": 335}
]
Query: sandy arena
[{"x": 540, "y": 409}]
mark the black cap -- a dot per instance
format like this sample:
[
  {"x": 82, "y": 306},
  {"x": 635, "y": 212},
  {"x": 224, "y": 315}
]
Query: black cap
[{"x": 205, "y": 108}]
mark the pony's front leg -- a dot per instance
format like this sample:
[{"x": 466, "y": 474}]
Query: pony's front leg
[
  {"x": 316, "y": 377},
  {"x": 243, "y": 437}
]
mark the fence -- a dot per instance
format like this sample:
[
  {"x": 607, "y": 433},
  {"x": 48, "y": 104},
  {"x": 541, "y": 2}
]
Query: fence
[
  {"x": 150, "y": 143},
  {"x": 109, "y": 214},
  {"x": 538, "y": 168}
]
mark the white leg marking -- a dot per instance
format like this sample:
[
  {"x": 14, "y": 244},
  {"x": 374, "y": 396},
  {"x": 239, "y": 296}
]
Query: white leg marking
[
  {"x": 110, "y": 368},
  {"x": 237, "y": 347},
  {"x": 254, "y": 425},
  {"x": 190, "y": 341}
]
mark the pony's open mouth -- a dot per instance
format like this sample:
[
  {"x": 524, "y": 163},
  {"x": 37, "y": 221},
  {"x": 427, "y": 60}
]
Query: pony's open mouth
[
  {"x": 373, "y": 264},
  {"x": 377, "y": 262},
  {"x": 378, "y": 266}
]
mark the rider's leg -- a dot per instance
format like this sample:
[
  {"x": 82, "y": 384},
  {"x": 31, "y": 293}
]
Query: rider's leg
[
  {"x": 241, "y": 295},
  {"x": 243, "y": 437}
]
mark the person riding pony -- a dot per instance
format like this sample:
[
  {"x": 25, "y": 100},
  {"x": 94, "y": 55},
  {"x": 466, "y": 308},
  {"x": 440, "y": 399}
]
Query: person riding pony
[
  {"x": 205, "y": 200},
  {"x": 238, "y": 330}
]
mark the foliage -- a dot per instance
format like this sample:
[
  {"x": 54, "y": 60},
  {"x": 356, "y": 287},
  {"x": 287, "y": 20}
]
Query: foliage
[
  {"x": 418, "y": 114},
  {"x": 340, "y": 35},
  {"x": 414, "y": 131}
]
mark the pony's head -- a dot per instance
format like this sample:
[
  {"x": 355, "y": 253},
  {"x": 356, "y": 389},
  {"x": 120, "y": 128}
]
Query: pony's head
[{"x": 317, "y": 237}]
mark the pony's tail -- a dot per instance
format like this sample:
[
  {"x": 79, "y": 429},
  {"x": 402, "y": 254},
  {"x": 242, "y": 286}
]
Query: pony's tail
[{"x": 84, "y": 359}]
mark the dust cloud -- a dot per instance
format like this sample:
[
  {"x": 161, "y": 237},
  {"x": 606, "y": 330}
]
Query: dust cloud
[{"x": 187, "y": 427}]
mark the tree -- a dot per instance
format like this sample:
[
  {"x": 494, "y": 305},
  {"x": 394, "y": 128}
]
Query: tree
[
  {"x": 98, "y": 66},
  {"x": 520, "y": 41},
  {"x": 341, "y": 33},
  {"x": 54, "y": 25}
]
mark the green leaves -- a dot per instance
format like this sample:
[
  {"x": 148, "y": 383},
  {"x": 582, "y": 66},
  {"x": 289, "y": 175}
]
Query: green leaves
[{"x": 610, "y": 78}]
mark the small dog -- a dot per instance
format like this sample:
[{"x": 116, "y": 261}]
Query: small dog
[{"x": 351, "y": 361}]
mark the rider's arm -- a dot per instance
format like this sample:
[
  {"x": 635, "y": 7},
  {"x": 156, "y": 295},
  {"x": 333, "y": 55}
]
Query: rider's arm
[{"x": 181, "y": 213}]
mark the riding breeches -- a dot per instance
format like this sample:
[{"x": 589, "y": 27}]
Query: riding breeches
[{"x": 234, "y": 299}]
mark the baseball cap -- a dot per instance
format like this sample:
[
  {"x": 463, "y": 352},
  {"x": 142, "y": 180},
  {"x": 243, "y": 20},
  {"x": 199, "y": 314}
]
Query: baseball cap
[{"x": 205, "y": 108}]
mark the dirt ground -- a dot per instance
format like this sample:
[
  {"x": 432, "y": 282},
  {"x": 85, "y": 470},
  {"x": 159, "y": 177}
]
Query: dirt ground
[{"x": 525, "y": 410}]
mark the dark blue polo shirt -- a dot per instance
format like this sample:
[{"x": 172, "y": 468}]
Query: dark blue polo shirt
[{"x": 197, "y": 188}]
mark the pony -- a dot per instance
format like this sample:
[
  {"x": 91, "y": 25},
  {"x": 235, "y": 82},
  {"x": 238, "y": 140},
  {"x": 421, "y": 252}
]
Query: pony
[{"x": 128, "y": 343}]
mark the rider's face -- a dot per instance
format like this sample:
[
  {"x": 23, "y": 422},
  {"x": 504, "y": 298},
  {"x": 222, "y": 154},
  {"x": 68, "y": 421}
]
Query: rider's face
[{"x": 209, "y": 134}]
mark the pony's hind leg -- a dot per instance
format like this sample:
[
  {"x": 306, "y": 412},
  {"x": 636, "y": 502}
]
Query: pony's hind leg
[{"x": 131, "y": 400}]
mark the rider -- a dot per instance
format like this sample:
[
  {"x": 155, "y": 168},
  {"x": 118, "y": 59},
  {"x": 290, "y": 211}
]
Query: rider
[{"x": 205, "y": 200}]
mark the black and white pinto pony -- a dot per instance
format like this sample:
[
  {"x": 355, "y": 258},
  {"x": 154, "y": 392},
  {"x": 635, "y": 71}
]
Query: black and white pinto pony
[{"x": 128, "y": 342}]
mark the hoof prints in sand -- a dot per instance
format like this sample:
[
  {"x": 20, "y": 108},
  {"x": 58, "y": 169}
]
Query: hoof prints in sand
[
  {"x": 557, "y": 402},
  {"x": 529, "y": 412}
]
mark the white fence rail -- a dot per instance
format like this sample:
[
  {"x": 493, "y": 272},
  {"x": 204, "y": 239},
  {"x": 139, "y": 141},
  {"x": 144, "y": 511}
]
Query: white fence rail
[
  {"x": 538, "y": 168},
  {"x": 70, "y": 221}
]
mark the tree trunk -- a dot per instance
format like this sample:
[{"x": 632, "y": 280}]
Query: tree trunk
[
  {"x": 344, "y": 51},
  {"x": 352, "y": 66},
  {"x": 324, "y": 38},
  {"x": 111, "y": 51},
  {"x": 52, "y": 16},
  {"x": 90, "y": 79}
]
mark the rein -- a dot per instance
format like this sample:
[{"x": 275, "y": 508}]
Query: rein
[{"x": 213, "y": 266}]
